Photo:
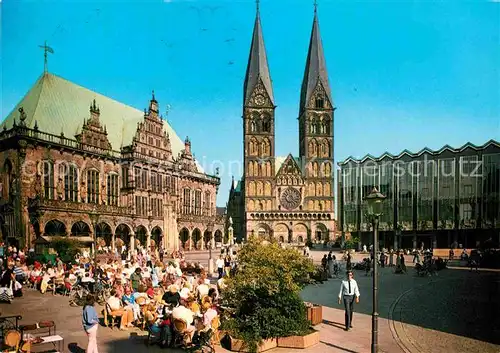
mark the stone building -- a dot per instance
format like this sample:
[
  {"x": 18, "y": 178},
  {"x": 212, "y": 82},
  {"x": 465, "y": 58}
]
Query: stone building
[
  {"x": 76, "y": 163},
  {"x": 289, "y": 198},
  {"x": 438, "y": 198}
]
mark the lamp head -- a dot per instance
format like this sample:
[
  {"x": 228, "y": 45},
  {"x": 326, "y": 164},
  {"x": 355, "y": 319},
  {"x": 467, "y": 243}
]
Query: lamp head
[{"x": 375, "y": 202}]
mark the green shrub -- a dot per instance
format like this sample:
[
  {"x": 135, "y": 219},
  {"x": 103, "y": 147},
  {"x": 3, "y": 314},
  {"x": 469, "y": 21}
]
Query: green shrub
[
  {"x": 66, "y": 248},
  {"x": 264, "y": 293}
]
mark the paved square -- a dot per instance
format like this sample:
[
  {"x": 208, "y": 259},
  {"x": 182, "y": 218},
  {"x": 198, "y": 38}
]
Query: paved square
[{"x": 453, "y": 312}]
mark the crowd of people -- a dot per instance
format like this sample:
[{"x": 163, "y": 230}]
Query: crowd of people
[{"x": 164, "y": 295}]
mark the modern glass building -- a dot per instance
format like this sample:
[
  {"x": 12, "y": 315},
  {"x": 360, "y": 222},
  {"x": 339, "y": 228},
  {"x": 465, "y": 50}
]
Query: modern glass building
[{"x": 439, "y": 198}]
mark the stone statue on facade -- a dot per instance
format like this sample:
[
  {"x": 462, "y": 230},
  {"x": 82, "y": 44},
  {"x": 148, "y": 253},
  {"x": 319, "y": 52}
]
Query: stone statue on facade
[
  {"x": 37, "y": 185},
  {"x": 60, "y": 189},
  {"x": 103, "y": 193},
  {"x": 83, "y": 192},
  {"x": 230, "y": 221}
]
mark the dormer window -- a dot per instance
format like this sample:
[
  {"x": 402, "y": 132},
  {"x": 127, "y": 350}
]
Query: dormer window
[{"x": 320, "y": 102}]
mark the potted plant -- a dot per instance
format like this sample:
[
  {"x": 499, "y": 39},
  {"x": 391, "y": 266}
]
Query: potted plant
[{"x": 264, "y": 296}]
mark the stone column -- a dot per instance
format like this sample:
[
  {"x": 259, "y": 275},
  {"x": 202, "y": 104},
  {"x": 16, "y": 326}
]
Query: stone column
[
  {"x": 190, "y": 241},
  {"x": 113, "y": 241},
  {"x": 395, "y": 245},
  {"x": 203, "y": 242},
  {"x": 434, "y": 241},
  {"x": 148, "y": 241},
  {"x": 131, "y": 247},
  {"x": 415, "y": 240}
]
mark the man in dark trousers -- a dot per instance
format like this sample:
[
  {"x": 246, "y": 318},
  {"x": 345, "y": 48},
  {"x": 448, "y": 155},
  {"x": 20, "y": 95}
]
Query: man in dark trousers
[{"x": 349, "y": 292}]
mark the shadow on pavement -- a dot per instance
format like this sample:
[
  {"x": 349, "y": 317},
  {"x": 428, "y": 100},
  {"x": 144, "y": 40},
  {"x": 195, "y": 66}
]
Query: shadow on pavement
[
  {"x": 458, "y": 302},
  {"x": 338, "y": 347},
  {"x": 135, "y": 343},
  {"x": 74, "y": 348},
  {"x": 334, "y": 324}
]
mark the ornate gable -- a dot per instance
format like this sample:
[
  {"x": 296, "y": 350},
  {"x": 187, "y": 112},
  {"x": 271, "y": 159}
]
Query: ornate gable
[
  {"x": 150, "y": 139},
  {"x": 260, "y": 97},
  {"x": 186, "y": 160},
  {"x": 319, "y": 99},
  {"x": 93, "y": 133},
  {"x": 289, "y": 168}
]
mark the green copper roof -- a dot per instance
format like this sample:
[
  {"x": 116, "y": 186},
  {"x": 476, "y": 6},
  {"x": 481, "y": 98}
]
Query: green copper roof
[{"x": 58, "y": 105}]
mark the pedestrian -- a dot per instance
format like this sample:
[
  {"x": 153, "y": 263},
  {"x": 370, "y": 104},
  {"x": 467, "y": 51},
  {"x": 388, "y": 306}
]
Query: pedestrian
[
  {"x": 90, "y": 322},
  {"x": 391, "y": 258},
  {"x": 349, "y": 293},
  {"x": 324, "y": 262},
  {"x": 220, "y": 266},
  {"x": 330, "y": 264},
  {"x": 348, "y": 261}
]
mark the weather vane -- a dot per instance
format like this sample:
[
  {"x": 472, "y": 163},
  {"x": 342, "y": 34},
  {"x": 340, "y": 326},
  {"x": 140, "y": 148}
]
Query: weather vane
[
  {"x": 315, "y": 6},
  {"x": 46, "y": 49},
  {"x": 257, "y": 2}
]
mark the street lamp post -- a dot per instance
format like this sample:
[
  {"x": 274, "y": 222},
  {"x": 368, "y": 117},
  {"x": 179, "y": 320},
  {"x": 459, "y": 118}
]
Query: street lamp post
[
  {"x": 375, "y": 201},
  {"x": 94, "y": 218}
]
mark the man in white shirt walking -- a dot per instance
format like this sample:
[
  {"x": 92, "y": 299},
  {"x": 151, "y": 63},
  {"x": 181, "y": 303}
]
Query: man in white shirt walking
[
  {"x": 220, "y": 266},
  {"x": 349, "y": 292}
]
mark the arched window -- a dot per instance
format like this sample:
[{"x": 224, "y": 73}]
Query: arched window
[
  {"x": 326, "y": 123},
  {"x": 48, "y": 180},
  {"x": 266, "y": 123},
  {"x": 320, "y": 102},
  {"x": 186, "y": 205},
  {"x": 253, "y": 126},
  {"x": 92, "y": 186},
  {"x": 112, "y": 189},
  {"x": 206, "y": 204},
  {"x": 197, "y": 202},
  {"x": 70, "y": 182}
]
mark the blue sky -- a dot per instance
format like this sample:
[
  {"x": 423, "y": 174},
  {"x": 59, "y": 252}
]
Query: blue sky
[{"x": 404, "y": 74}]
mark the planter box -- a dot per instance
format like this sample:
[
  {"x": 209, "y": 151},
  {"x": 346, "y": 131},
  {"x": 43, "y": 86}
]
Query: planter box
[
  {"x": 315, "y": 314},
  {"x": 299, "y": 342},
  {"x": 237, "y": 345}
]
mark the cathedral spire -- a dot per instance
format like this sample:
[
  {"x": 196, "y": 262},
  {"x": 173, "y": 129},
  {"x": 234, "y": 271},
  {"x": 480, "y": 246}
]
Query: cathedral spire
[
  {"x": 315, "y": 71},
  {"x": 257, "y": 64}
]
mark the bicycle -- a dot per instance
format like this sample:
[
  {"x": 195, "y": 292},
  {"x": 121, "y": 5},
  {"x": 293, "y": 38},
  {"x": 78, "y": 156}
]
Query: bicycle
[{"x": 78, "y": 295}]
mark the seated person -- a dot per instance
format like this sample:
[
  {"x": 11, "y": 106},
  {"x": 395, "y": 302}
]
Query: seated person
[
  {"x": 158, "y": 327},
  {"x": 221, "y": 283},
  {"x": 128, "y": 300},
  {"x": 187, "y": 316},
  {"x": 209, "y": 313},
  {"x": 213, "y": 295},
  {"x": 184, "y": 293},
  {"x": 192, "y": 305},
  {"x": 203, "y": 289},
  {"x": 172, "y": 297},
  {"x": 115, "y": 305}
]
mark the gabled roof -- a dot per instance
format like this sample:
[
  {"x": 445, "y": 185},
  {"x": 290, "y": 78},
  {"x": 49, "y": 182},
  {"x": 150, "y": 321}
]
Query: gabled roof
[
  {"x": 58, "y": 105},
  {"x": 315, "y": 71},
  {"x": 238, "y": 186},
  {"x": 280, "y": 161},
  {"x": 355, "y": 160},
  {"x": 257, "y": 67}
]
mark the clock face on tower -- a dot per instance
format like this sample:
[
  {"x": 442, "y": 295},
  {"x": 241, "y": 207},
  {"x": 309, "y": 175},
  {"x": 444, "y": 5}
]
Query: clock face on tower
[
  {"x": 290, "y": 198},
  {"x": 259, "y": 99}
]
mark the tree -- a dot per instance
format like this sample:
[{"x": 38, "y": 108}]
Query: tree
[
  {"x": 66, "y": 248},
  {"x": 264, "y": 294}
]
